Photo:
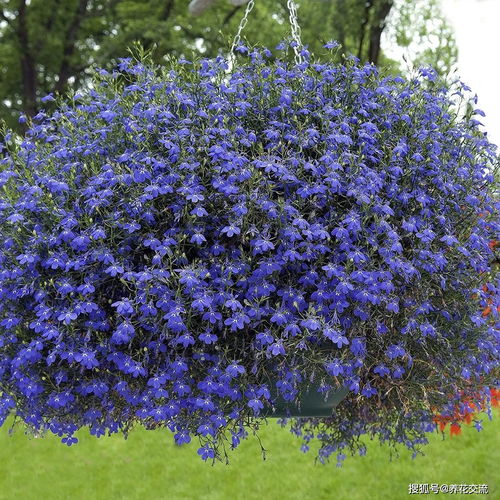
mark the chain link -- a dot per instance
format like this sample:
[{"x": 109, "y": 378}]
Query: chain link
[
  {"x": 295, "y": 28},
  {"x": 241, "y": 27}
]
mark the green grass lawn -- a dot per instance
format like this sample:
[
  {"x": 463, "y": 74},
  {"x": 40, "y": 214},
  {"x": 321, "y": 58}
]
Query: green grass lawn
[{"x": 149, "y": 466}]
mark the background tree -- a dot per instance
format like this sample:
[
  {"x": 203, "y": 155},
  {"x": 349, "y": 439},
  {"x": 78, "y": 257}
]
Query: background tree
[
  {"x": 424, "y": 34},
  {"x": 51, "y": 45}
]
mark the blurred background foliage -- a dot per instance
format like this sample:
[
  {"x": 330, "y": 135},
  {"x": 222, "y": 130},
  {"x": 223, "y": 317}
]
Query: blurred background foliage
[{"x": 52, "y": 45}]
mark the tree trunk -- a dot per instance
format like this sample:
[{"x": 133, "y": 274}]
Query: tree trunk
[
  {"x": 364, "y": 24},
  {"x": 28, "y": 68},
  {"x": 65, "y": 70},
  {"x": 339, "y": 22},
  {"x": 167, "y": 10},
  {"x": 377, "y": 27}
]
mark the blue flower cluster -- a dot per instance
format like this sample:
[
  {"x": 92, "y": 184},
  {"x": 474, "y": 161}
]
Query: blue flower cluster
[{"x": 180, "y": 246}]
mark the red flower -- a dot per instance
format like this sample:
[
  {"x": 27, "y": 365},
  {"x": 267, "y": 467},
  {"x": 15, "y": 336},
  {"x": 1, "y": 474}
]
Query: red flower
[{"x": 465, "y": 415}]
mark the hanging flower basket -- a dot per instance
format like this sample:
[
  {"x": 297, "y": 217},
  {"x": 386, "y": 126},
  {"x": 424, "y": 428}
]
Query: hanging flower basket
[{"x": 198, "y": 249}]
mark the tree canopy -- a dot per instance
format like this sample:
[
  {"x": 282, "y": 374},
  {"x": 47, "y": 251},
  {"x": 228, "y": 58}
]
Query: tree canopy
[{"x": 49, "y": 46}]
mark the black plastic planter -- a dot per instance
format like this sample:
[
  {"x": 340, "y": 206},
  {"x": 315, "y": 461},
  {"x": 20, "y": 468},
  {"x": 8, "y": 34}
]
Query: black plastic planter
[{"x": 311, "y": 404}]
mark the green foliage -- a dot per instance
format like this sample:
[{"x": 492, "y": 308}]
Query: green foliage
[
  {"x": 50, "y": 45},
  {"x": 420, "y": 28},
  {"x": 64, "y": 39}
]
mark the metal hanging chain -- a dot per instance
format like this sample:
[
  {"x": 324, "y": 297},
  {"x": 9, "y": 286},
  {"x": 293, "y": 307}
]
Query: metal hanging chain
[
  {"x": 295, "y": 28},
  {"x": 241, "y": 27}
]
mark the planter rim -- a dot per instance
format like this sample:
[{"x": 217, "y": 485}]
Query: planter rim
[{"x": 310, "y": 405}]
